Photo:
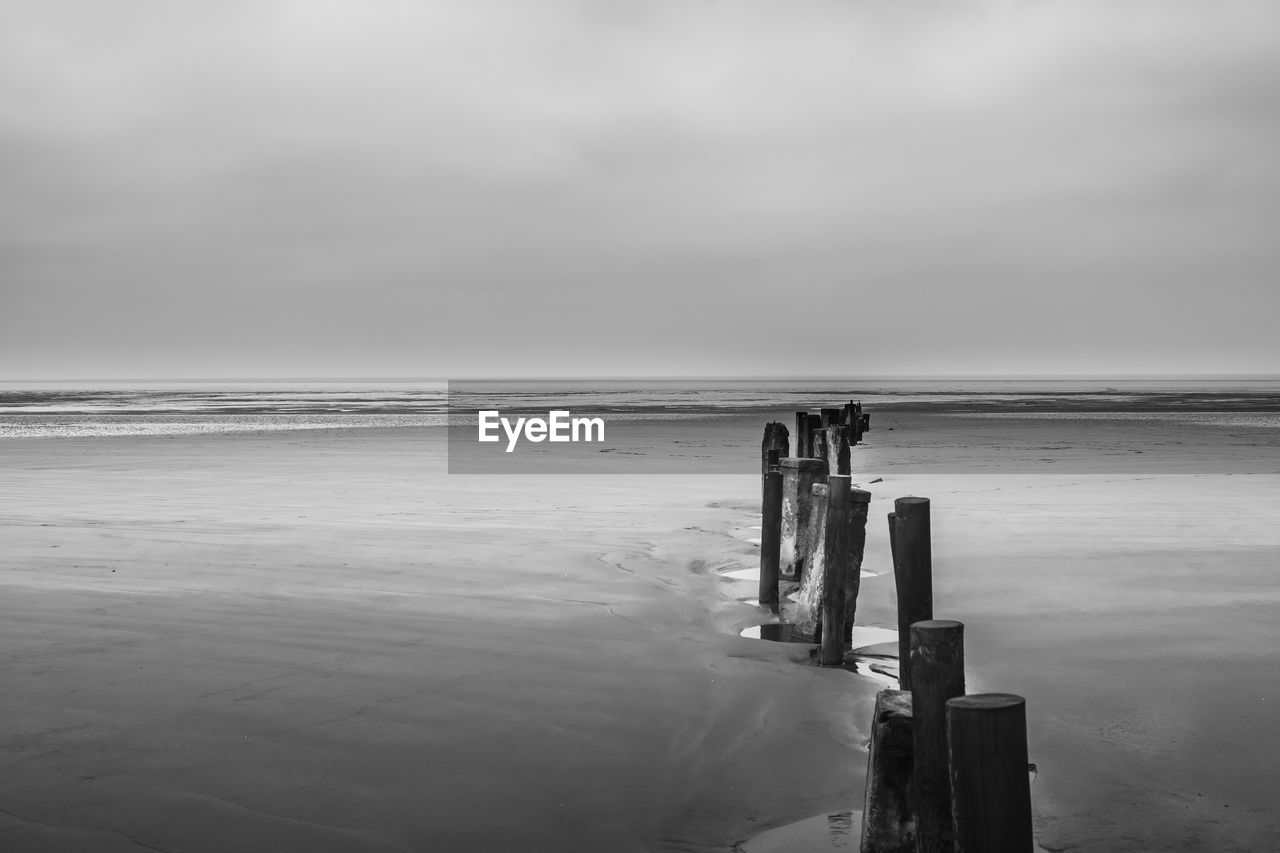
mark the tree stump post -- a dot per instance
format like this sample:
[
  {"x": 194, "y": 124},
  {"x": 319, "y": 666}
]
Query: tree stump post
[
  {"x": 857, "y": 547},
  {"x": 887, "y": 826},
  {"x": 776, "y": 440},
  {"x": 798, "y": 477},
  {"x": 990, "y": 787},
  {"x": 836, "y": 561},
  {"x": 803, "y": 450},
  {"x": 912, "y": 573},
  {"x": 937, "y": 675},
  {"x": 771, "y": 538}
]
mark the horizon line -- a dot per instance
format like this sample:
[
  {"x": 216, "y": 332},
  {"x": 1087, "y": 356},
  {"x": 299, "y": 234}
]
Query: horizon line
[{"x": 878, "y": 377}]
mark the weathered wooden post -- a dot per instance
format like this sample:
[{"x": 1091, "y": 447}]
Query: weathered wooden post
[
  {"x": 803, "y": 450},
  {"x": 912, "y": 573},
  {"x": 830, "y": 417},
  {"x": 857, "y": 547},
  {"x": 798, "y": 477},
  {"x": 937, "y": 675},
  {"x": 836, "y": 561},
  {"x": 807, "y": 618},
  {"x": 990, "y": 788},
  {"x": 771, "y": 536},
  {"x": 893, "y": 541},
  {"x": 837, "y": 443},
  {"x": 887, "y": 825},
  {"x": 775, "y": 439},
  {"x": 820, "y": 451},
  {"x": 814, "y": 423}
]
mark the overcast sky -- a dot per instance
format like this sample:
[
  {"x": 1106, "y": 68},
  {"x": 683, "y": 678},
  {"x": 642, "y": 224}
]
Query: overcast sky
[{"x": 638, "y": 187}]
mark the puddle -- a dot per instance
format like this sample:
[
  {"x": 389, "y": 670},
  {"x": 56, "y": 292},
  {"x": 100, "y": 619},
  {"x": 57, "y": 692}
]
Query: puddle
[
  {"x": 778, "y": 632},
  {"x": 864, "y": 637},
  {"x": 881, "y": 673},
  {"x": 872, "y": 655}
]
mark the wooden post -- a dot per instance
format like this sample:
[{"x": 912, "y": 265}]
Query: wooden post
[
  {"x": 893, "y": 542},
  {"x": 775, "y": 439},
  {"x": 857, "y": 546},
  {"x": 820, "y": 451},
  {"x": 990, "y": 788},
  {"x": 850, "y": 418},
  {"x": 837, "y": 444},
  {"x": 798, "y": 477},
  {"x": 806, "y": 621},
  {"x": 836, "y": 561},
  {"x": 814, "y": 423},
  {"x": 886, "y": 813},
  {"x": 830, "y": 417},
  {"x": 770, "y": 537},
  {"x": 912, "y": 573},
  {"x": 803, "y": 450},
  {"x": 937, "y": 674}
]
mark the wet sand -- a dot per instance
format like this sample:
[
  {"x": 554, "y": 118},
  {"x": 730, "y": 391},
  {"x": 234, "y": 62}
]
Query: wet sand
[
  {"x": 317, "y": 641},
  {"x": 320, "y": 641}
]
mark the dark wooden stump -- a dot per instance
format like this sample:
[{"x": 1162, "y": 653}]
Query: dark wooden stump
[
  {"x": 990, "y": 787},
  {"x": 912, "y": 573},
  {"x": 887, "y": 826},
  {"x": 836, "y": 561},
  {"x": 770, "y": 539},
  {"x": 798, "y": 478},
  {"x": 776, "y": 440},
  {"x": 937, "y": 674}
]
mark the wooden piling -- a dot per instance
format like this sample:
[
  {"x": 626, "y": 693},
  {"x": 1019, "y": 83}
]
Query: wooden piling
[
  {"x": 821, "y": 452},
  {"x": 887, "y": 825},
  {"x": 802, "y": 448},
  {"x": 770, "y": 538},
  {"x": 798, "y": 477},
  {"x": 937, "y": 675},
  {"x": 836, "y": 561},
  {"x": 830, "y": 417},
  {"x": 775, "y": 439},
  {"x": 857, "y": 546},
  {"x": 814, "y": 423},
  {"x": 990, "y": 788},
  {"x": 806, "y": 620},
  {"x": 837, "y": 447},
  {"x": 893, "y": 542},
  {"x": 912, "y": 573}
]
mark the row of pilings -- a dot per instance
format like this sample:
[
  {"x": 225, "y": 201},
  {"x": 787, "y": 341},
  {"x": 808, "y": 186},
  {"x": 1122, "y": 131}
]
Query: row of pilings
[{"x": 946, "y": 771}]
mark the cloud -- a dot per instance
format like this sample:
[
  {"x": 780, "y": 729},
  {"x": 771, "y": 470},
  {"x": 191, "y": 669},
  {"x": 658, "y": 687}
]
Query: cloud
[{"x": 432, "y": 188}]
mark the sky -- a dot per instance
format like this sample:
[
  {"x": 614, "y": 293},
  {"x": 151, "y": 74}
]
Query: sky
[{"x": 638, "y": 188}]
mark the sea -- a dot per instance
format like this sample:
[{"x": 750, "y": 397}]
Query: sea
[{"x": 70, "y": 409}]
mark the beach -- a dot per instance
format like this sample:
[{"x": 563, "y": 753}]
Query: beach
[{"x": 319, "y": 639}]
